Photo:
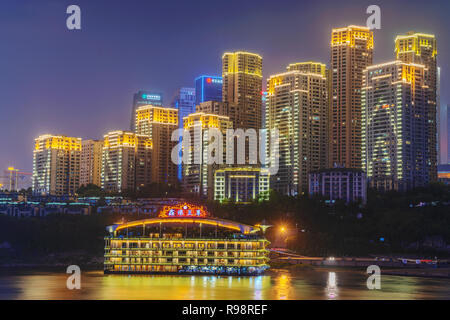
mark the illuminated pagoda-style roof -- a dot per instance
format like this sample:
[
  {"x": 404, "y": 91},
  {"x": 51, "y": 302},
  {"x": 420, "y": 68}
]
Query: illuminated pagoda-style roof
[{"x": 190, "y": 214}]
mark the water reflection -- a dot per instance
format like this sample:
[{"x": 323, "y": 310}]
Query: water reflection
[
  {"x": 282, "y": 286},
  {"x": 278, "y": 284},
  {"x": 332, "y": 286}
]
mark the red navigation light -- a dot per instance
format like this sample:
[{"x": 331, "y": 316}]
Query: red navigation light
[
  {"x": 209, "y": 80},
  {"x": 183, "y": 210}
]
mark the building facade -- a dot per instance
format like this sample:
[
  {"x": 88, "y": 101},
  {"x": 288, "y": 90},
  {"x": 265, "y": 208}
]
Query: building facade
[
  {"x": 335, "y": 184},
  {"x": 127, "y": 160},
  {"x": 184, "y": 101},
  {"x": 395, "y": 122},
  {"x": 241, "y": 184},
  {"x": 198, "y": 172},
  {"x": 208, "y": 88},
  {"x": 297, "y": 105},
  {"x": 242, "y": 87},
  {"x": 158, "y": 123},
  {"x": 56, "y": 165},
  {"x": 91, "y": 162},
  {"x": 143, "y": 98},
  {"x": 420, "y": 48},
  {"x": 214, "y": 107},
  {"x": 351, "y": 53}
]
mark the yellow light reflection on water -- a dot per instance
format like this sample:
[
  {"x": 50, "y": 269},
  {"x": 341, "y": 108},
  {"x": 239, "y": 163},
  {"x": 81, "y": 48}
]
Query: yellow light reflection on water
[
  {"x": 283, "y": 286},
  {"x": 179, "y": 287},
  {"x": 332, "y": 289},
  {"x": 278, "y": 284}
]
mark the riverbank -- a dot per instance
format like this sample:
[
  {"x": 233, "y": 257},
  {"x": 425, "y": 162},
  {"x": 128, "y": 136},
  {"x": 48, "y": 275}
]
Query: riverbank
[{"x": 428, "y": 271}]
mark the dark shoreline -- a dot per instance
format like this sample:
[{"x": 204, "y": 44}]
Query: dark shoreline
[{"x": 440, "y": 273}]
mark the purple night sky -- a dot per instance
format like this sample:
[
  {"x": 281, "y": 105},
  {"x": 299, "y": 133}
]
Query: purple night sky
[{"x": 80, "y": 83}]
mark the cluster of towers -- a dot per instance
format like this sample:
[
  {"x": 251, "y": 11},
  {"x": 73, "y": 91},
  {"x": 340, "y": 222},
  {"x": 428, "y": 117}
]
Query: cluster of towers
[
  {"x": 380, "y": 119},
  {"x": 357, "y": 115}
]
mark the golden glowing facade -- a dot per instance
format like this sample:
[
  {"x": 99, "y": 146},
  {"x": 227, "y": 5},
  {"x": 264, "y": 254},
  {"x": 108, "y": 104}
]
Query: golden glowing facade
[
  {"x": 241, "y": 184},
  {"x": 198, "y": 173},
  {"x": 242, "y": 87},
  {"x": 91, "y": 162},
  {"x": 215, "y": 107},
  {"x": 420, "y": 48},
  {"x": 126, "y": 161},
  {"x": 185, "y": 239},
  {"x": 351, "y": 53},
  {"x": 395, "y": 145},
  {"x": 56, "y": 165},
  {"x": 158, "y": 123},
  {"x": 297, "y": 105}
]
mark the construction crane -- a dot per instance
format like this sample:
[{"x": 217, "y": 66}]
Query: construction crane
[{"x": 12, "y": 177}]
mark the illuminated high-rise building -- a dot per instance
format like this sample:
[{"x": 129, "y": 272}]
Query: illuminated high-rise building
[
  {"x": 351, "y": 53},
  {"x": 394, "y": 116},
  {"x": 421, "y": 49},
  {"x": 143, "y": 98},
  {"x": 158, "y": 123},
  {"x": 241, "y": 184},
  {"x": 198, "y": 173},
  {"x": 56, "y": 165},
  {"x": 208, "y": 88},
  {"x": 91, "y": 162},
  {"x": 242, "y": 87},
  {"x": 184, "y": 101},
  {"x": 297, "y": 105},
  {"x": 126, "y": 161}
]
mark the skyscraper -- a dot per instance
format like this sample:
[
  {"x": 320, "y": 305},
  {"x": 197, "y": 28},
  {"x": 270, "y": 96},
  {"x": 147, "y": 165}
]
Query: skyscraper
[
  {"x": 208, "y": 88},
  {"x": 158, "y": 123},
  {"x": 242, "y": 87},
  {"x": 297, "y": 105},
  {"x": 421, "y": 48},
  {"x": 198, "y": 176},
  {"x": 395, "y": 145},
  {"x": 91, "y": 162},
  {"x": 184, "y": 101},
  {"x": 56, "y": 165},
  {"x": 126, "y": 161},
  {"x": 351, "y": 53},
  {"x": 143, "y": 98}
]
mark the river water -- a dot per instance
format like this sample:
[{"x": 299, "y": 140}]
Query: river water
[{"x": 319, "y": 283}]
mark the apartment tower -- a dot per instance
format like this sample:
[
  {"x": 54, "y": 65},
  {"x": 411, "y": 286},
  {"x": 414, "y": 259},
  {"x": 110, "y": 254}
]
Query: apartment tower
[
  {"x": 351, "y": 53},
  {"x": 56, "y": 165},
  {"x": 395, "y": 145},
  {"x": 126, "y": 161},
  {"x": 297, "y": 105},
  {"x": 198, "y": 172},
  {"x": 420, "y": 48},
  {"x": 242, "y": 87},
  {"x": 91, "y": 162},
  {"x": 158, "y": 123}
]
